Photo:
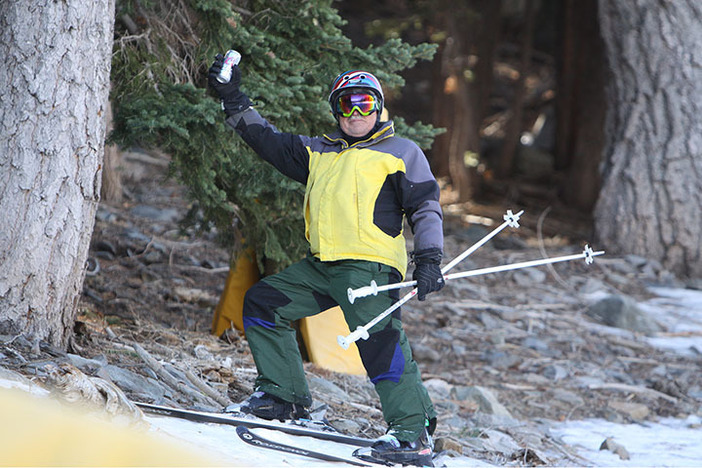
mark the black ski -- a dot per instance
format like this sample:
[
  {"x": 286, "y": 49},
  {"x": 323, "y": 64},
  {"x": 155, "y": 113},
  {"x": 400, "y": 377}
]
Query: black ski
[
  {"x": 298, "y": 428},
  {"x": 258, "y": 441}
]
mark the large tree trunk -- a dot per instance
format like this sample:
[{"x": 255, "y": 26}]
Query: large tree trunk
[
  {"x": 652, "y": 172},
  {"x": 111, "y": 191},
  {"x": 581, "y": 104},
  {"x": 515, "y": 125},
  {"x": 54, "y": 81},
  {"x": 454, "y": 109}
]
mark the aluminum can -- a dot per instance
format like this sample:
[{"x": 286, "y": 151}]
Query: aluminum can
[{"x": 231, "y": 58}]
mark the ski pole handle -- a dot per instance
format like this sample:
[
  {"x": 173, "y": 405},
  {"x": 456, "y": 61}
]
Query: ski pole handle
[
  {"x": 364, "y": 291},
  {"x": 374, "y": 289},
  {"x": 345, "y": 341},
  {"x": 362, "y": 331},
  {"x": 231, "y": 58}
]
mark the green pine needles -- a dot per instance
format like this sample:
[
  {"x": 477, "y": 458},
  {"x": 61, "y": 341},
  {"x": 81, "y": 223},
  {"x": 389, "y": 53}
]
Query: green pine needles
[{"x": 291, "y": 51}]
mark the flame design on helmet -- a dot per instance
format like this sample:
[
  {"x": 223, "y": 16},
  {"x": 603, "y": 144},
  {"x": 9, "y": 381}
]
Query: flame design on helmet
[{"x": 355, "y": 79}]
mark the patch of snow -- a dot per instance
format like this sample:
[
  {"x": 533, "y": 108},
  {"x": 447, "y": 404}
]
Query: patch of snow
[
  {"x": 669, "y": 442},
  {"x": 680, "y": 312}
]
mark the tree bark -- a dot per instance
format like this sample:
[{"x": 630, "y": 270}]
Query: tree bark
[
  {"x": 581, "y": 105},
  {"x": 53, "y": 87},
  {"x": 652, "y": 170},
  {"x": 515, "y": 125},
  {"x": 453, "y": 109},
  {"x": 111, "y": 191}
]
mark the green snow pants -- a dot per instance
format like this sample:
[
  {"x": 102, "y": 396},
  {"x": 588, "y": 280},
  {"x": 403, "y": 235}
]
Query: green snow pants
[{"x": 310, "y": 287}]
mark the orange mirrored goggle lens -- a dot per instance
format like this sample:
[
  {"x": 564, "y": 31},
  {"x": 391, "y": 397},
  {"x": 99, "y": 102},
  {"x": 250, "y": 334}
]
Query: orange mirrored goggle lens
[{"x": 365, "y": 104}]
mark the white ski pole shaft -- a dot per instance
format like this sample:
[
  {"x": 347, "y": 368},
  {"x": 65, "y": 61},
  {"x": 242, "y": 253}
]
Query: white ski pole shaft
[
  {"x": 587, "y": 254},
  {"x": 362, "y": 331},
  {"x": 510, "y": 218}
]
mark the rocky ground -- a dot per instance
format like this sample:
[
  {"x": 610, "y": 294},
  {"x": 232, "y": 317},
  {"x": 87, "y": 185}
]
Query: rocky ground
[{"x": 502, "y": 354}]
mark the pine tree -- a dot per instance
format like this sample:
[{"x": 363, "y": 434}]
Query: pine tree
[{"x": 291, "y": 51}]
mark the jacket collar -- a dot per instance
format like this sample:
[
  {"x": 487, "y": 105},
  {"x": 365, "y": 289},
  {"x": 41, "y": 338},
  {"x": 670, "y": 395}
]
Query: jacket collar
[{"x": 386, "y": 130}]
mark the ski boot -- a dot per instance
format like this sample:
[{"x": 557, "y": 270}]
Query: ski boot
[
  {"x": 390, "y": 451},
  {"x": 270, "y": 407}
]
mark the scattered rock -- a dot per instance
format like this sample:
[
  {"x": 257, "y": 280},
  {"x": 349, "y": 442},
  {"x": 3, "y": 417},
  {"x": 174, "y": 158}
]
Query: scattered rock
[
  {"x": 568, "y": 397},
  {"x": 614, "y": 447},
  {"x": 623, "y": 312},
  {"x": 347, "y": 426},
  {"x": 424, "y": 353},
  {"x": 555, "y": 372},
  {"x": 325, "y": 387},
  {"x": 497, "y": 441},
  {"x": 502, "y": 355},
  {"x": 484, "y": 398},
  {"x": 438, "y": 389},
  {"x": 635, "y": 411},
  {"x": 447, "y": 443}
]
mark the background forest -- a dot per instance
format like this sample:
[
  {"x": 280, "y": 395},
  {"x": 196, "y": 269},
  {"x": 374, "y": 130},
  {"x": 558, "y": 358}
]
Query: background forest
[
  {"x": 475, "y": 83},
  {"x": 585, "y": 108},
  {"x": 587, "y": 114}
]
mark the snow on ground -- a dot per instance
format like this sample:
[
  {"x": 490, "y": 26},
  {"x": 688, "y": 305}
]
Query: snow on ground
[
  {"x": 223, "y": 444},
  {"x": 668, "y": 442},
  {"x": 680, "y": 311}
]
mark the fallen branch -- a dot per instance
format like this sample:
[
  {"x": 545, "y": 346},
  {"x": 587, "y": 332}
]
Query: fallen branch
[
  {"x": 207, "y": 390},
  {"x": 633, "y": 389},
  {"x": 168, "y": 378}
]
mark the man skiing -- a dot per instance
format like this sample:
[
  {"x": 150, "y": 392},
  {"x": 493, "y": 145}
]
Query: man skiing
[{"x": 361, "y": 182}]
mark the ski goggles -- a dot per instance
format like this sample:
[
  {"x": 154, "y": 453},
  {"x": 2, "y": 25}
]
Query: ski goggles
[{"x": 365, "y": 104}]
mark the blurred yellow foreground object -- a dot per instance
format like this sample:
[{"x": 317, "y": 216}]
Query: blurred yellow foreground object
[{"x": 39, "y": 431}]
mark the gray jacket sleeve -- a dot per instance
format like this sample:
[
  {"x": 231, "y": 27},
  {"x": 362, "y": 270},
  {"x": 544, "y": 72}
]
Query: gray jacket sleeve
[{"x": 420, "y": 200}]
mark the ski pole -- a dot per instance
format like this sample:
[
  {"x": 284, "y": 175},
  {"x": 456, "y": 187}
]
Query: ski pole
[
  {"x": 362, "y": 331},
  {"x": 511, "y": 220},
  {"x": 588, "y": 254}
]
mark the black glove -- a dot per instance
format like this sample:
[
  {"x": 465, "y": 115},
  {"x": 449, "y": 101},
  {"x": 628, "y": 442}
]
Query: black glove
[
  {"x": 427, "y": 273},
  {"x": 233, "y": 100}
]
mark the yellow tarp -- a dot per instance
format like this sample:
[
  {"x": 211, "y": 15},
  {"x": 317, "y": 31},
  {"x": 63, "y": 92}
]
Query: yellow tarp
[
  {"x": 318, "y": 332},
  {"x": 242, "y": 276}
]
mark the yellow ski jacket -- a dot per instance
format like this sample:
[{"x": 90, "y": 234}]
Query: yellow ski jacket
[{"x": 356, "y": 196}]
